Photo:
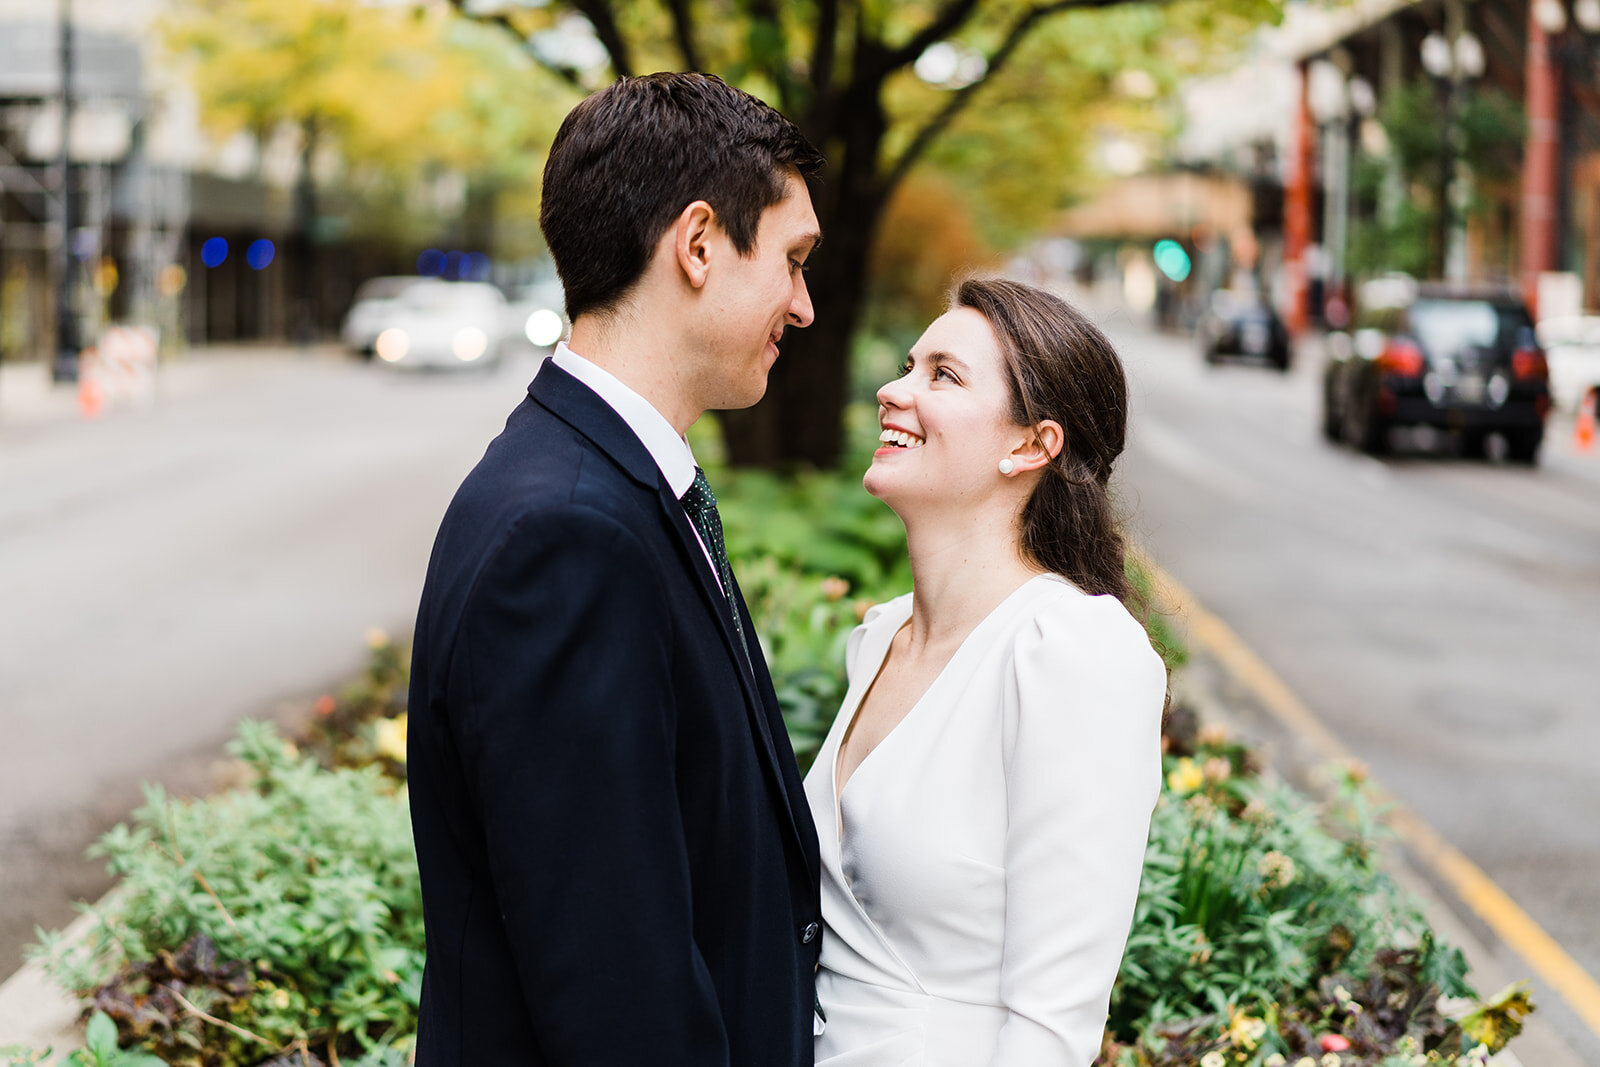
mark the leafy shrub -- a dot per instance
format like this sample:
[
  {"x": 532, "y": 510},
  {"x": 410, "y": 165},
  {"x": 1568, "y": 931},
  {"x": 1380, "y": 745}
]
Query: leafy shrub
[{"x": 279, "y": 917}]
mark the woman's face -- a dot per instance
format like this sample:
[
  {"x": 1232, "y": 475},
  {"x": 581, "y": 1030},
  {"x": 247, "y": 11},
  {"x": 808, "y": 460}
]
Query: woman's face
[{"x": 946, "y": 421}]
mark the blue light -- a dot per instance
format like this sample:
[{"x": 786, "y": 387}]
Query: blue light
[
  {"x": 259, "y": 254},
  {"x": 431, "y": 262},
  {"x": 214, "y": 251},
  {"x": 453, "y": 264},
  {"x": 476, "y": 267},
  {"x": 1172, "y": 260}
]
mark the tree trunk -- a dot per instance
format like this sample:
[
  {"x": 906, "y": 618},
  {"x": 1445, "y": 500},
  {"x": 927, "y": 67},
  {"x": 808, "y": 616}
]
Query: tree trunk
[{"x": 800, "y": 421}]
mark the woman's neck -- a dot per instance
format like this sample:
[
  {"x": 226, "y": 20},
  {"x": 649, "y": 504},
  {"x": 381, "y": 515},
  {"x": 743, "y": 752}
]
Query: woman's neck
[{"x": 961, "y": 571}]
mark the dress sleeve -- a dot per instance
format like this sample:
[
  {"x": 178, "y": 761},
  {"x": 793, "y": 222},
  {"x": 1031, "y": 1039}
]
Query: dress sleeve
[{"x": 1081, "y": 722}]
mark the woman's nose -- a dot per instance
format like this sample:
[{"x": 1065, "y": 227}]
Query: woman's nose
[{"x": 893, "y": 393}]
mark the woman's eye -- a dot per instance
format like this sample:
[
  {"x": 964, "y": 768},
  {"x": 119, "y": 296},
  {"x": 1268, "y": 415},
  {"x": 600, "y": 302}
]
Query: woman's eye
[
  {"x": 944, "y": 374},
  {"x": 905, "y": 368}
]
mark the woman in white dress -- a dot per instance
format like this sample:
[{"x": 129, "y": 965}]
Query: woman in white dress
[{"x": 984, "y": 797}]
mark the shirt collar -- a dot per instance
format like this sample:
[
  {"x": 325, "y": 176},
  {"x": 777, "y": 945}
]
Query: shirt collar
[{"x": 670, "y": 451}]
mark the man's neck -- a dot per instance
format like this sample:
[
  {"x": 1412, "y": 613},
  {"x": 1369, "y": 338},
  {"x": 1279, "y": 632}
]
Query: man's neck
[{"x": 642, "y": 360}]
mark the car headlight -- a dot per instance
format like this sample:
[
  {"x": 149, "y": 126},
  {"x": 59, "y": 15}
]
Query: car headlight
[
  {"x": 392, "y": 345},
  {"x": 544, "y": 327},
  {"x": 469, "y": 343}
]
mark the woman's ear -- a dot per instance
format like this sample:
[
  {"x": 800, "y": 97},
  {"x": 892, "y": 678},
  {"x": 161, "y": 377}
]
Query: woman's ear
[
  {"x": 691, "y": 241},
  {"x": 1046, "y": 443}
]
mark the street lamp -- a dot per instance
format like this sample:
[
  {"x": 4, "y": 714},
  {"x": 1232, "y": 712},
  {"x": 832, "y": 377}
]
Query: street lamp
[{"x": 1450, "y": 63}]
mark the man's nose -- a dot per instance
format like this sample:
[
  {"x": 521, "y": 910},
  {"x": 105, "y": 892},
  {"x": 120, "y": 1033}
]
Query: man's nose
[{"x": 800, "y": 311}]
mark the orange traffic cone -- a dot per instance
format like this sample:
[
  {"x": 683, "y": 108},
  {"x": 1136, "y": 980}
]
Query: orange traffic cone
[
  {"x": 91, "y": 394},
  {"x": 1583, "y": 429}
]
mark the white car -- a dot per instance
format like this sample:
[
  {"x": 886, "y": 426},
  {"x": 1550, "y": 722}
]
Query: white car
[
  {"x": 1571, "y": 346},
  {"x": 374, "y": 303},
  {"x": 537, "y": 312},
  {"x": 443, "y": 325}
]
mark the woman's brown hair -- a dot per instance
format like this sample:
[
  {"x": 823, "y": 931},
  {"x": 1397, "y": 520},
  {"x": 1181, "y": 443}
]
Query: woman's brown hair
[{"x": 1060, "y": 366}]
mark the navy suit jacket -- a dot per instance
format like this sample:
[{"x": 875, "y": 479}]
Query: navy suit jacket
[{"x": 618, "y": 862}]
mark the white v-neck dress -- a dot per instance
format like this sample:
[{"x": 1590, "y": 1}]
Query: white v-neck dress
[{"x": 980, "y": 868}]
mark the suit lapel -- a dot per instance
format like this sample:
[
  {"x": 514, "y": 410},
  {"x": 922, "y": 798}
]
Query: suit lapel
[
  {"x": 722, "y": 610},
  {"x": 581, "y": 408}
]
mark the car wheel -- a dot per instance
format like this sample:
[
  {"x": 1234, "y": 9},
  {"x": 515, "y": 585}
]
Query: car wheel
[
  {"x": 1330, "y": 420},
  {"x": 1280, "y": 360},
  {"x": 1522, "y": 446},
  {"x": 1365, "y": 430}
]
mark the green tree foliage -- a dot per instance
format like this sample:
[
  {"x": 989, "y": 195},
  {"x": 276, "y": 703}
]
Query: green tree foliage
[
  {"x": 1009, "y": 122},
  {"x": 1406, "y": 235},
  {"x": 402, "y": 95}
]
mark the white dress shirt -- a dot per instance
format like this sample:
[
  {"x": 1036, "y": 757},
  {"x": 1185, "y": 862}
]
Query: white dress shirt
[
  {"x": 666, "y": 446},
  {"x": 981, "y": 865}
]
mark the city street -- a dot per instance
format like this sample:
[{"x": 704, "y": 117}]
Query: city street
[
  {"x": 1440, "y": 615},
  {"x": 164, "y": 573}
]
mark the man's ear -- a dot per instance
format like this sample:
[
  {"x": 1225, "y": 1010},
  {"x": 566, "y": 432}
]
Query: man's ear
[
  {"x": 1046, "y": 443},
  {"x": 691, "y": 241}
]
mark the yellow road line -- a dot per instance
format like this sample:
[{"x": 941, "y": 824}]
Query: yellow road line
[{"x": 1476, "y": 889}]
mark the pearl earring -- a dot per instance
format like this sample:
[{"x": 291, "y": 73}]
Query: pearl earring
[{"x": 1006, "y": 466}]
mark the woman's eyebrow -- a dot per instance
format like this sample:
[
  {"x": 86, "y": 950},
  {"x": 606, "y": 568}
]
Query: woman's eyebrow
[{"x": 945, "y": 357}]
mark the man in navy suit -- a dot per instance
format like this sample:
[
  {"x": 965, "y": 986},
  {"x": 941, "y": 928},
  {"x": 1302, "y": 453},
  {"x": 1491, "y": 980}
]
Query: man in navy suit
[{"x": 618, "y": 863}]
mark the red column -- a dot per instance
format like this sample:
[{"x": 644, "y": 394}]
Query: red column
[
  {"x": 1297, "y": 211},
  {"x": 1540, "y": 159}
]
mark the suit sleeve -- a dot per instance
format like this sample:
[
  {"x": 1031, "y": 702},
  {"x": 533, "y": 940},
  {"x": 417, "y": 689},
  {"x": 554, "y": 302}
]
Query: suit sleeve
[
  {"x": 566, "y": 724},
  {"x": 1082, "y": 731}
]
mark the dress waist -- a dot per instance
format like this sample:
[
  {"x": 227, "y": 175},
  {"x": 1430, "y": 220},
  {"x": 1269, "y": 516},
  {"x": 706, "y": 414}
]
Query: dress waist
[{"x": 872, "y": 1025}]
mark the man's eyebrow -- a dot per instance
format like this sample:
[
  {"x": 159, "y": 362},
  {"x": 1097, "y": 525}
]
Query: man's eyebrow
[{"x": 809, "y": 240}]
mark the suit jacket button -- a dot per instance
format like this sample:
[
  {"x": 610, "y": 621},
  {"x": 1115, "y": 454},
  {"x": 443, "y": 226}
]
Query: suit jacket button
[{"x": 809, "y": 934}]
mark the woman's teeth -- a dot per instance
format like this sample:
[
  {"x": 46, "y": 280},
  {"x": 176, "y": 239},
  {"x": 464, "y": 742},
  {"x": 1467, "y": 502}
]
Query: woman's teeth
[{"x": 900, "y": 439}]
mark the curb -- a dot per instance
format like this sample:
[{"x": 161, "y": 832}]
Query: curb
[{"x": 37, "y": 1013}]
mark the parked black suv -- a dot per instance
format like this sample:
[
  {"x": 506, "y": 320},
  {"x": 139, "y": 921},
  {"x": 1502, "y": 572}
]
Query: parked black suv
[{"x": 1427, "y": 355}]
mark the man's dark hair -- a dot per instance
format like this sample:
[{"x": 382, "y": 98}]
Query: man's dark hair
[{"x": 627, "y": 161}]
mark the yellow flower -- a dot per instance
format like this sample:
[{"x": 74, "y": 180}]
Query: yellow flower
[
  {"x": 390, "y": 738},
  {"x": 1217, "y": 769},
  {"x": 1330, "y": 1059},
  {"x": 1246, "y": 1031},
  {"x": 834, "y": 587},
  {"x": 1274, "y": 1060},
  {"x": 1213, "y": 1059},
  {"x": 1305, "y": 1061},
  {"x": 1211, "y": 737},
  {"x": 1186, "y": 777},
  {"x": 376, "y": 638},
  {"x": 280, "y": 999}
]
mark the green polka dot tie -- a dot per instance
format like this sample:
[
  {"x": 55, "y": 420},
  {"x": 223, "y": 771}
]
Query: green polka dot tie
[{"x": 701, "y": 504}]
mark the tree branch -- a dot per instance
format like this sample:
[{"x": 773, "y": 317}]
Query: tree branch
[
  {"x": 683, "y": 33},
  {"x": 960, "y": 98},
  {"x": 598, "y": 12},
  {"x": 499, "y": 18},
  {"x": 825, "y": 48},
  {"x": 946, "y": 22}
]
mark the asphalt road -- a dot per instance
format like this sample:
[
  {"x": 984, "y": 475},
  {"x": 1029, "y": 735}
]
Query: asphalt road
[
  {"x": 1442, "y": 616},
  {"x": 166, "y": 572}
]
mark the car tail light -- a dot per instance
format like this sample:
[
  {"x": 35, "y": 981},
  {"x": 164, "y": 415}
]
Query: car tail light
[
  {"x": 1541, "y": 405},
  {"x": 1528, "y": 365},
  {"x": 1401, "y": 358}
]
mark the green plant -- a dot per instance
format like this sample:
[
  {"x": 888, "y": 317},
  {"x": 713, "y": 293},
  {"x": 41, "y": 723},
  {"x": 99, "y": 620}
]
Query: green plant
[
  {"x": 276, "y": 917},
  {"x": 100, "y": 1050}
]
